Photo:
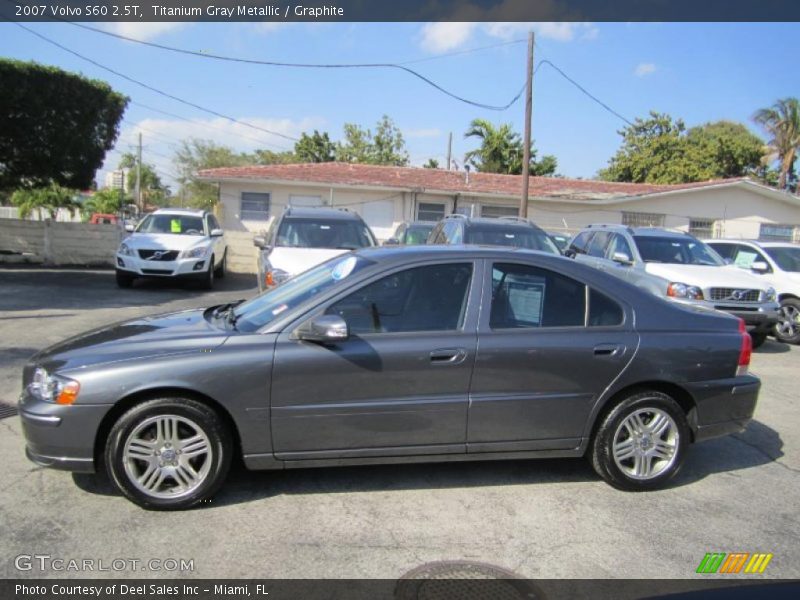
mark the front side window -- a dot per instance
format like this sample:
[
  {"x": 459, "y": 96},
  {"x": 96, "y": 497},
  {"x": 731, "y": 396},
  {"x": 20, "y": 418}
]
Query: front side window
[
  {"x": 676, "y": 251},
  {"x": 175, "y": 224},
  {"x": 429, "y": 298},
  {"x": 254, "y": 206},
  {"x": 597, "y": 247},
  {"x": 619, "y": 245},
  {"x": 578, "y": 245},
  {"x": 321, "y": 233},
  {"x": 746, "y": 256},
  {"x": 786, "y": 257}
]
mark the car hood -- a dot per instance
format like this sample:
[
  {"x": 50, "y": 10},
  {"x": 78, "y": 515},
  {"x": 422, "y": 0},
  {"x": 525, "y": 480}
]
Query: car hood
[
  {"x": 163, "y": 241},
  {"x": 152, "y": 337},
  {"x": 705, "y": 276},
  {"x": 297, "y": 260}
]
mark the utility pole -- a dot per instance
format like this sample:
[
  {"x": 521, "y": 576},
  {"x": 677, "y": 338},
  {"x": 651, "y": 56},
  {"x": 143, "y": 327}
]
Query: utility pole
[
  {"x": 526, "y": 156},
  {"x": 138, "y": 192},
  {"x": 449, "y": 149}
]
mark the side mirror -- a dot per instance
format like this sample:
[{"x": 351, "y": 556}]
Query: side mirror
[
  {"x": 259, "y": 241},
  {"x": 622, "y": 258},
  {"x": 392, "y": 242},
  {"x": 569, "y": 253},
  {"x": 759, "y": 266},
  {"x": 217, "y": 233},
  {"x": 323, "y": 329},
  {"x": 129, "y": 227}
]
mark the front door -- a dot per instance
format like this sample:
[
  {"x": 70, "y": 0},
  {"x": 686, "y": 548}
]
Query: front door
[
  {"x": 549, "y": 345},
  {"x": 398, "y": 385}
]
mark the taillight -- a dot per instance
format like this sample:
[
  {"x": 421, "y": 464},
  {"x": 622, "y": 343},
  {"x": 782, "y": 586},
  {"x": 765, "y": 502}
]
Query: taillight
[{"x": 746, "y": 350}]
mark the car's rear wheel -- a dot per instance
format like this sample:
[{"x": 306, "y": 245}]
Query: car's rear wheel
[
  {"x": 168, "y": 453},
  {"x": 124, "y": 280},
  {"x": 787, "y": 329},
  {"x": 640, "y": 444},
  {"x": 220, "y": 272}
]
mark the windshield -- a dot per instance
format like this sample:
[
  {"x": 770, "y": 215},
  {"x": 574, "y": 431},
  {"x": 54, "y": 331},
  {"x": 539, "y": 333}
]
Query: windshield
[
  {"x": 417, "y": 234},
  {"x": 177, "y": 224},
  {"x": 787, "y": 257},
  {"x": 516, "y": 237},
  {"x": 676, "y": 251},
  {"x": 321, "y": 233},
  {"x": 263, "y": 309}
]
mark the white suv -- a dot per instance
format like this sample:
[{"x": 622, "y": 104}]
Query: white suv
[
  {"x": 172, "y": 242},
  {"x": 778, "y": 265},
  {"x": 678, "y": 267}
]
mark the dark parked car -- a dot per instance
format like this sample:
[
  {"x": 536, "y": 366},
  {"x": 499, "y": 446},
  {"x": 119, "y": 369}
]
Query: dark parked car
[
  {"x": 411, "y": 233},
  {"x": 505, "y": 231},
  {"x": 394, "y": 355},
  {"x": 561, "y": 240}
]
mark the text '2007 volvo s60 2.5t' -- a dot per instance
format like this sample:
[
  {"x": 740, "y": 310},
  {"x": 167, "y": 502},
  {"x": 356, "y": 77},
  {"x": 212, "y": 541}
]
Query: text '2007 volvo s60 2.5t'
[{"x": 390, "y": 355}]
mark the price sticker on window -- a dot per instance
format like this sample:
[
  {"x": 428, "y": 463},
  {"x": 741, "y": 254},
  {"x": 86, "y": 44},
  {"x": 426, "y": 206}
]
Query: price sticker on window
[{"x": 175, "y": 225}]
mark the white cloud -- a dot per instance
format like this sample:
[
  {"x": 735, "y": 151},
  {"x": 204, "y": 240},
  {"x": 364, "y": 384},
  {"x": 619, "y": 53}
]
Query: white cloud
[
  {"x": 142, "y": 31},
  {"x": 442, "y": 37},
  {"x": 422, "y": 133},
  {"x": 644, "y": 69}
]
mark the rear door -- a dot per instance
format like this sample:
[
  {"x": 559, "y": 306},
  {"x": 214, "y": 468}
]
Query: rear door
[{"x": 549, "y": 346}]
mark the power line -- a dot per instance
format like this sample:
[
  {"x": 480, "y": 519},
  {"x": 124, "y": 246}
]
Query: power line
[
  {"x": 270, "y": 63},
  {"x": 153, "y": 89}
]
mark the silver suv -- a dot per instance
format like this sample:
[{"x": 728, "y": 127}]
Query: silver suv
[{"x": 678, "y": 266}]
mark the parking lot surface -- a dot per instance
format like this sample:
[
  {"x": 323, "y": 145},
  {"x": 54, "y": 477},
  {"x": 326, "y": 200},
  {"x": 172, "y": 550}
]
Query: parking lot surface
[{"x": 540, "y": 519}]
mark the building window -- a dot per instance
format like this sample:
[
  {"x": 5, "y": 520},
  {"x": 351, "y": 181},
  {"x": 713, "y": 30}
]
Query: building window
[
  {"x": 640, "y": 219},
  {"x": 702, "y": 228},
  {"x": 494, "y": 212},
  {"x": 777, "y": 232},
  {"x": 428, "y": 211},
  {"x": 254, "y": 206}
]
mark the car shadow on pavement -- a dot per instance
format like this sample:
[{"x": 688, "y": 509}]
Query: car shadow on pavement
[
  {"x": 773, "y": 347},
  {"x": 758, "y": 445}
]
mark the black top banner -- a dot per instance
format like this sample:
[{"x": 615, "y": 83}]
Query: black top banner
[{"x": 401, "y": 10}]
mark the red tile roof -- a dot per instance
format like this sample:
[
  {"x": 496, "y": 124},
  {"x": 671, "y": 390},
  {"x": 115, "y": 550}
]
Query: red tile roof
[{"x": 419, "y": 179}]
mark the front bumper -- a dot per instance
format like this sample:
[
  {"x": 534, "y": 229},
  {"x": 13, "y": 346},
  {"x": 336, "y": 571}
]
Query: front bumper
[
  {"x": 724, "y": 406},
  {"x": 59, "y": 436},
  {"x": 181, "y": 267},
  {"x": 757, "y": 317}
]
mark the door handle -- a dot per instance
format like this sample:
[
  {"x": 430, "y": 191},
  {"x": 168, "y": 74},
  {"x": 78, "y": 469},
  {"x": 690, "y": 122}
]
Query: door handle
[
  {"x": 448, "y": 356},
  {"x": 608, "y": 350}
]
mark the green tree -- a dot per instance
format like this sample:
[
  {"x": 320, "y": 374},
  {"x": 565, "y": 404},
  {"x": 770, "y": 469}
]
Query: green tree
[
  {"x": 269, "y": 157},
  {"x": 385, "y": 147},
  {"x": 659, "y": 149},
  {"x": 781, "y": 121},
  {"x": 154, "y": 191},
  {"x": 48, "y": 198},
  {"x": 194, "y": 155},
  {"x": 107, "y": 201},
  {"x": 431, "y": 164},
  {"x": 315, "y": 148},
  {"x": 502, "y": 151},
  {"x": 55, "y": 126}
]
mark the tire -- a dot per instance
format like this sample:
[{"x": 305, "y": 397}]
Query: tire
[
  {"x": 758, "y": 339},
  {"x": 146, "y": 453},
  {"x": 624, "y": 468},
  {"x": 207, "y": 281},
  {"x": 219, "y": 273},
  {"x": 124, "y": 280},
  {"x": 788, "y": 328}
]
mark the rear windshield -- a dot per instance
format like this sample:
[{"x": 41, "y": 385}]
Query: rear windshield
[
  {"x": 177, "y": 224},
  {"x": 787, "y": 257},
  {"x": 676, "y": 251},
  {"x": 321, "y": 233},
  {"x": 517, "y": 237}
]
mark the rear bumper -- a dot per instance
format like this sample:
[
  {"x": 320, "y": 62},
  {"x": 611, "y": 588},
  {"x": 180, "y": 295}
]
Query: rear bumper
[{"x": 723, "y": 406}]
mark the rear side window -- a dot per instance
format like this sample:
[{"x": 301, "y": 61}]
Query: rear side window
[
  {"x": 603, "y": 311},
  {"x": 597, "y": 247},
  {"x": 578, "y": 245},
  {"x": 724, "y": 250},
  {"x": 430, "y": 298},
  {"x": 527, "y": 296}
]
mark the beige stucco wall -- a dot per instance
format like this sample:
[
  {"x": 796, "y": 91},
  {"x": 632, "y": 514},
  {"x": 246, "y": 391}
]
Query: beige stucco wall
[{"x": 55, "y": 243}]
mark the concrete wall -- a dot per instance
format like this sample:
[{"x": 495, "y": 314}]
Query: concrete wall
[{"x": 56, "y": 243}]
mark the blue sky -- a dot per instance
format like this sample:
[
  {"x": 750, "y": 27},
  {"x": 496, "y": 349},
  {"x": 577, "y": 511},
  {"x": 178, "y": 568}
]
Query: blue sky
[{"x": 698, "y": 72}]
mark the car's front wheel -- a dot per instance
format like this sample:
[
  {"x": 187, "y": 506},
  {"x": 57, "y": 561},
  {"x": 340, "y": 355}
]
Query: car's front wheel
[
  {"x": 640, "y": 444},
  {"x": 223, "y": 265},
  {"x": 168, "y": 453},
  {"x": 787, "y": 329},
  {"x": 207, "y": 281},
  {"x": 124, "y": 279}
]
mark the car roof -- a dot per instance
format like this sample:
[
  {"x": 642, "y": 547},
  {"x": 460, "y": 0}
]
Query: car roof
[
  {"x": 501, "y": 223},
  {"x": 438, "y": 251},
  {"x": 762, "y": 244},
  {"x": 421, "y": 223},
  {"x": 194, "y": 212},
  {"x": 657, "y": 232},
  {"x": 320, "y": 212}
]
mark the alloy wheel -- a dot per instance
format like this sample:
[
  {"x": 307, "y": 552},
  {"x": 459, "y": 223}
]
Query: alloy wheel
[
  {"x": 788, "y": 325},
  {"x": 645, "y": 444}
]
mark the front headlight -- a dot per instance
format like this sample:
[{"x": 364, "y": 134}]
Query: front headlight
[
  {"x": 772, "y": 295},
  {"x": 125, "y": 250},
  {"x": 681, "y": 290},
  {"x": 52, "y": 388},
  {"x": 198, "y": 252}
]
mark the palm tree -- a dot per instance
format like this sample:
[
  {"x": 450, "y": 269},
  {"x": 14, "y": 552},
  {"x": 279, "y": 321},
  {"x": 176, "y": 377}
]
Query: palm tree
[
  {"x": 500, "y": 150},
  {"x": 782, "y": 123},
  {"x": 49, "y": 198}
]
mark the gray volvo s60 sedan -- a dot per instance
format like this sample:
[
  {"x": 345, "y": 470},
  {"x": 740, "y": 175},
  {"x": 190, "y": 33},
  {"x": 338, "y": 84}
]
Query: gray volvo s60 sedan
[{"x": 394, "y": 355}]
